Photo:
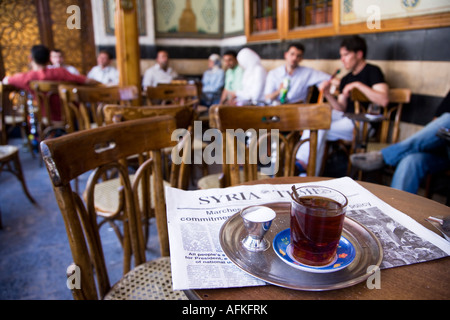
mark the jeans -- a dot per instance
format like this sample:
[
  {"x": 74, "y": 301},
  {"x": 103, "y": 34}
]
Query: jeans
[{"x": 420, "y": 154}]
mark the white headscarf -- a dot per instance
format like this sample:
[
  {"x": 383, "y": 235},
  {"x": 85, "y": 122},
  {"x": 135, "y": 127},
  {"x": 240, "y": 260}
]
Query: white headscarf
[
  {"x": 254, "y": 77},
  {"x": 216, "y": 58}
]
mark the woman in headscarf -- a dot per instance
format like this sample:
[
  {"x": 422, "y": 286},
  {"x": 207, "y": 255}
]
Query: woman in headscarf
[
  {"x": 213, "y": 81},
  {"x": 253, "y": 80}
]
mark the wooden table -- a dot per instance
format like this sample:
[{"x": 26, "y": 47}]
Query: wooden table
[{"x": 427, "y": 280}]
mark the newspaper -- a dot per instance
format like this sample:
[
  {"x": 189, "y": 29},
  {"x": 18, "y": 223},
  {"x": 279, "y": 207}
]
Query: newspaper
[{"x": 195, "y": 218}]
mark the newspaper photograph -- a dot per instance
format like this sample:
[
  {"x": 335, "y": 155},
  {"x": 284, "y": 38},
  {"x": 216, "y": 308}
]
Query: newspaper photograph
[{"x": 195, "y": 218}]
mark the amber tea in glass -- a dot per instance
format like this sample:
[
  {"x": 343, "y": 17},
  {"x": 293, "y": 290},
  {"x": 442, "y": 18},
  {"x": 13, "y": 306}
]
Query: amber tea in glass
[{"x": 317, "y": 219}]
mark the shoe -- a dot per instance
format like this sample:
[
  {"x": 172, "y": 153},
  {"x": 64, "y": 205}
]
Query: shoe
[{"x": 368, "y": 161}]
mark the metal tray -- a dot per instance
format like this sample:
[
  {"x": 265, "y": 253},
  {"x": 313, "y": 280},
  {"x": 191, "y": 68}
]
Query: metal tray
[{"x": 268, "y": 267}]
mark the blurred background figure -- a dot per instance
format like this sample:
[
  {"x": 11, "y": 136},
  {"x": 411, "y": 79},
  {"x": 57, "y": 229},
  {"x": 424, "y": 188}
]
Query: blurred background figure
[
  {"x": 233, "y": 77},
  {"x": 212, "y": 81},
  {"x": 253, "y": 79},
  {"x": 161, "y": 72},
  {"x": 104, "y": 72},
  {"x": 57, "y": 61}
]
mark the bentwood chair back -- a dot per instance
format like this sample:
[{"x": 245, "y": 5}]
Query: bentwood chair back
[
  {"x": 50, "y": 116},
  {"x": 173, "y": 94},
  {"x": 175, "y": 175},
  {"x": 390, "y": 127},
  {"x": 269, "y": 125},
  {"x": 49, "y": 102},
  {"x": 84, "y": 105},
  {"x": 178, "y": 175},
  {"x": 100, "y": 150}
]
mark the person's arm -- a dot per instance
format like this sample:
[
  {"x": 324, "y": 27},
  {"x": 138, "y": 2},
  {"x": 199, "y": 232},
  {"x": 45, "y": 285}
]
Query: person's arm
[
  {"x": 92, "y": 82},
  {"x": 378, "y": 93},
  {"x": 272, "y": 89},
  {"x": 340, "y": 103}
]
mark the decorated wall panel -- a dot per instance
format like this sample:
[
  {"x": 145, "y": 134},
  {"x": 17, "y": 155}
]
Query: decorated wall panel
[
  {"x": 24, "y": 23},
  {"x": 18, "y": 33}
]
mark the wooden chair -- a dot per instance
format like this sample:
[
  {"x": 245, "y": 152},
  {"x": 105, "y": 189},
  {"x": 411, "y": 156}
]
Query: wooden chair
[
  {"x": 101, "y": 149},
  {"x": 13, "y": 113},
  {"x": 84, "y": 105},
  {"x": 288, "y": 120},
  {"x": 10, "y": 155},
  {"x": 51, "y": 118},
  {"x": 390, "y": 128},
  {"x": 173, "y": 94},
  {"x": 184, "y": 117},
  {"x": 107, "y": 204}
]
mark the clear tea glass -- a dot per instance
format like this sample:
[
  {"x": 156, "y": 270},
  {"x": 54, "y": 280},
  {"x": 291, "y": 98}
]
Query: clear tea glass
[{"x": 317, "y": 219}]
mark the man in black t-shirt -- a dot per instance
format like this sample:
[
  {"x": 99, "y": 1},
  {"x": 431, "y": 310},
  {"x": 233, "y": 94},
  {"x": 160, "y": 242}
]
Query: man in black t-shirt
[{"x": 364, "y": 76}]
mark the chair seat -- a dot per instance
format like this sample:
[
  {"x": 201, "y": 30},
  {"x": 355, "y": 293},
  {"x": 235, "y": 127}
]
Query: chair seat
[
  {"x": 212, "y": 180},
  {"x": 14, "y": 119},
  {"x": 149, "y": 281},
  {"x": 7, "y": 151},
  {"x": 376, "y": 146},
  {"x": 106, "y": 199}
]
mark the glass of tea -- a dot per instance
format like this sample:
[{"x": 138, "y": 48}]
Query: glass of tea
[{"x": 317, "y": 219}]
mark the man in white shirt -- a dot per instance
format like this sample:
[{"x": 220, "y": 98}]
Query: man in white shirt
[
  {"x": 103, "y": 72},
  {"x": 57, "y": 61},
  {"x": 296, "y": 78},
  {"x": 160, "y": 72}
]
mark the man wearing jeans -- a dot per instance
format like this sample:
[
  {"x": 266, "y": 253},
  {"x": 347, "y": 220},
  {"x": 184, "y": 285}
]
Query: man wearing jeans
[{"x": 422, "y": 153}]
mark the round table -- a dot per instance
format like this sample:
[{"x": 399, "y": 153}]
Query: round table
[{"x": 427, "y": 280}]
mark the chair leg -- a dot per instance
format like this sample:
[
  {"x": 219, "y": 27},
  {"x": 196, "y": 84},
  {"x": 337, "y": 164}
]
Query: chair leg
[{"x": 19, "y": 174}]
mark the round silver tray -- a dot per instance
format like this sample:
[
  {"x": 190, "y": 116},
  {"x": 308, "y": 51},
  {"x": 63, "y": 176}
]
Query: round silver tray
[{"x": 268, "y": 267}]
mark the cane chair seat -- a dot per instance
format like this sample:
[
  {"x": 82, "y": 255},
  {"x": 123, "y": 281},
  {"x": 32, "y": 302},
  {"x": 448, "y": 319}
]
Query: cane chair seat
[
  {"x": 10, "y": 154},
  {"x": 106, "y": 198},
  {"x": 149, "y": 281}
]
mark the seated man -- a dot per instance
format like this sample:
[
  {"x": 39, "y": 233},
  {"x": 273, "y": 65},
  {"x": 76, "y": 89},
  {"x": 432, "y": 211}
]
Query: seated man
[
  {"x": 161, "y": 72},
  {"x": 366, "y": 77},
  {"x": 57, "y": 61},
  {"x": 40, "y": 56},
  {"x": 299, "y": 78},
  {"x": 104, "y": 72},
  {"x": 233, "y": 78},
  {"x": 422, "y": 153}
]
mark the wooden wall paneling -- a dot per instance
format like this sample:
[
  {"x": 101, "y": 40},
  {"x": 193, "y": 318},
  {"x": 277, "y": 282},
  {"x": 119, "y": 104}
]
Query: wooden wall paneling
[
  {"x": 44, "y": 23},
  {"x": 88, "y": 51}
]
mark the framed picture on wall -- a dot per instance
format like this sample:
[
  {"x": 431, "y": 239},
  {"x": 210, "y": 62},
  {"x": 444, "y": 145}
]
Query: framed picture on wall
[
  {"x": 109, "y": 7},
  {"x": 188, "y": 19}
]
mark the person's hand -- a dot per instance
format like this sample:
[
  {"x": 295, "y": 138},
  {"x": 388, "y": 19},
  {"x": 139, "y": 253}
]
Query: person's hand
[
  {"x": 349, "y": 87},
  {"x": 325, "y": 86}
]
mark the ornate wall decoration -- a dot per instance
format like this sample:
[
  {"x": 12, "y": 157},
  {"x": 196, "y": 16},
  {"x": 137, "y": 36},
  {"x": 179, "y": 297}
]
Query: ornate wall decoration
[
  {"x": 19, "y": 32},
  {"x": 24, "y": 23},
  {"x": 109, "y": 7},
  {"x": 189, "y": 19},
  {"x": 360, "y": 11},
  {"x": 69, "y": 41}
]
